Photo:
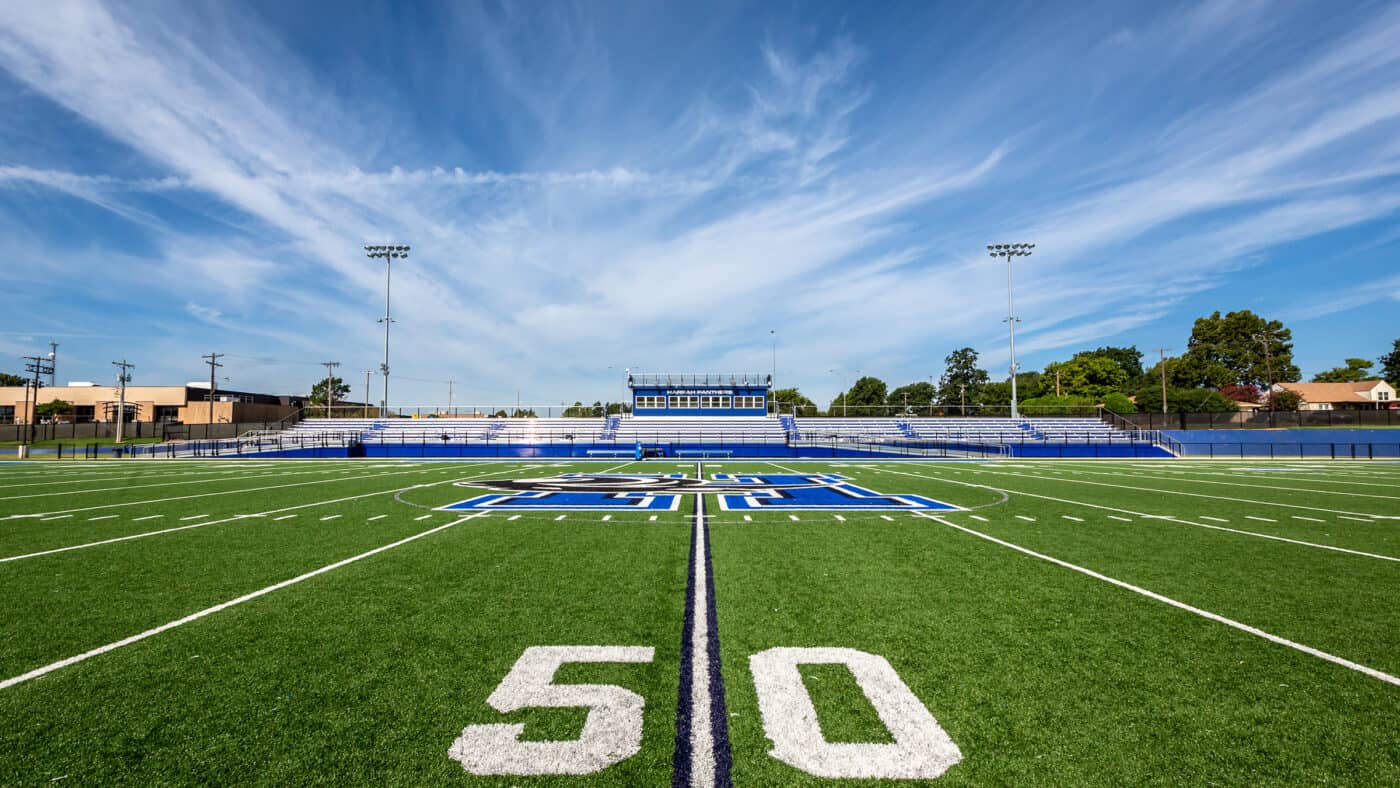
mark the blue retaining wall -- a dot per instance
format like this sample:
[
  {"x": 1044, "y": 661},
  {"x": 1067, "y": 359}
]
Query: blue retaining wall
[{"x": 1283, "y": 444}]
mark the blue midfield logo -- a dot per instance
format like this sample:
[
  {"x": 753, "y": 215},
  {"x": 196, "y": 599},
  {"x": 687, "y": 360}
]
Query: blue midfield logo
[{"x": 663, "y": 493}]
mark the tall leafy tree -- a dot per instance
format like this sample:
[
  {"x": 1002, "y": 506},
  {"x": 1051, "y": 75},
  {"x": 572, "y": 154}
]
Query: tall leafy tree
[
  {"x": 6, "y": 379},
  {"x": 790, "y": 399},
  {"x": 1390, "y": 365},
  {"x": 1129, "y": 359},
  {"x": 1085, "y": 375},
  {"x": 1356, "y": 369},
  {"x": 912, "y": 396},
  {"x": 318, "y": 391},
  {"x": 961, "y": 375},
  {"x": 1231, "y": 349},
  {"x": 867, "y": 395}
]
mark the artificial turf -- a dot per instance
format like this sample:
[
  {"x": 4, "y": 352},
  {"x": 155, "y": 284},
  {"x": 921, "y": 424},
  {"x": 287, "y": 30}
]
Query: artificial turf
[{"x": 365, "y": 674}]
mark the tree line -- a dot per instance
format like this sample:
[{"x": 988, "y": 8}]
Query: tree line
[{"x": 1228, "y": 360}]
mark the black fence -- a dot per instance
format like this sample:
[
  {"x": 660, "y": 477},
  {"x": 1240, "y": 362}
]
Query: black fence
[
  {"x": 1336, "y": 419},
  {"x": 1287, "y": 451},
  {"x": 162, "y": 430}
]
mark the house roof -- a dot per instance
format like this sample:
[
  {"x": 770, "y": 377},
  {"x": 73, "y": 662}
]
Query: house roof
[{"x": 1333, "y": 392}]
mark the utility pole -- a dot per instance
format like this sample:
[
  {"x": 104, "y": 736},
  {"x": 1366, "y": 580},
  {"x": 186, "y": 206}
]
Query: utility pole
[
  {"x": 962, "y": 398},
  {"x": 213, "y": 361},
  {"x": 53, "y": 362},
  {"x": 1162, "y": 365},
  {"x": 386, "y": 252},
  {"x": 330, "y": 385},
  {"x": 37, "y": 365},
  {"x": 1263, "y": 337},
  {"x": 1057, "y": 382},
  {"x": 1009, "y": 251},
  {"x": 449, "y": 397},
  {"x": 367, "y": 372},
  {"x": 123, "y": 378}
]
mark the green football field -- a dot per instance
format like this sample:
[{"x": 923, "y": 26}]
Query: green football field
[{"x": 1013, "y": 622}]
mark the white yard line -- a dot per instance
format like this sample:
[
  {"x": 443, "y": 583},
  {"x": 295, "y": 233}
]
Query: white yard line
[
  {"x": 235, "y": 518},
  {"x": 102, "y": 517},
  {"x": 839, "y": 517},
  {"x": 330, "y": 517},
  {"x": 1156, "y": 491},
  {"x": 702, "y": 743},
  {"x": 376, "y": 517},
  {"x": 1119, "y": 519},
  {"x": 194, "y": 517},
  {"x": 607, "y": 517},
  {"x": 423, "y": 517},
  {"x": 1356, "y": 519},
  {"x": 57, "y": 517},
  {"x": 1023, "y": 517},
  {"x": 560, "y": 517},
  {"x": 1166, "y": 518},
  {"x": 1214, "y": 519},
  {"x": 147, "y": 517},
  {"x": 1307, "y": 519},
  {"x": 1076, "y": 519},
  {"x": 1260, "y": 519},
  {"x": 792, "y": 517},
  {"x": 513, "y": 517},
  {"x": 886, "y": 517},
  {"x": 979, "y": 518},
  {"x": 1346, "y": 663},
  {"x": 63, "y": 663},
  {"x": 275, "y": 519}
]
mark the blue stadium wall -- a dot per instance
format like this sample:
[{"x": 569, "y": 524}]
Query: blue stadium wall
[{"x": 1285, "y": 444}]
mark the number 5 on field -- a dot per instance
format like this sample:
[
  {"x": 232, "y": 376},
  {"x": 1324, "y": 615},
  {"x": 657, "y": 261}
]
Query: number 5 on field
[{"x": 611, "y": 733}]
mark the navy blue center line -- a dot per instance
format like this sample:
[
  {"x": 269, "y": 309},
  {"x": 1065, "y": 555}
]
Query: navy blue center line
[{"x": 681, "y": 776}]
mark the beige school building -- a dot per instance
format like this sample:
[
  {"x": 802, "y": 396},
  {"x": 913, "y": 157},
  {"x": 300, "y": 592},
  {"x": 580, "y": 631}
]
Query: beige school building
[{"x": 187, "y": 404}]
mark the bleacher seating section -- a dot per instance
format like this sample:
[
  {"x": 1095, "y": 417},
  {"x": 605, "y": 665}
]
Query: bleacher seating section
[{"x": 743, "y": 429}]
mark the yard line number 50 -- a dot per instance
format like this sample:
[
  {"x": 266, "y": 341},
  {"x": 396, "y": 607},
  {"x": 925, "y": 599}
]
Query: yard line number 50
[{"x": 612, "y": 731}]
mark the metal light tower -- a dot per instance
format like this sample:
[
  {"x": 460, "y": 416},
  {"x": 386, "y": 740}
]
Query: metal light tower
[
  {"x": 53, "y": 363},
  {"x": 1009, "y": 251},
  {"x": 386, "y": 252},
  {"x": 367, "y": 372}
]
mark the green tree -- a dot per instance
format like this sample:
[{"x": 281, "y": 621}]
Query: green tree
[
  {"x": 1183, "y": 400},
  {"x": 1356, "y": 369},
  {"x": 910, "y": 397},
  {"x": 1090, "y": 375},
  {"x": 866, "y": 398},
  {"x": 1285, "y": 400},
  {"x": 1390, "y": 365},
  {"x": 52, "y": 408},
  {"x": 790, "y": 399},
  {"x": 1129, "y": 359},
  {"x": 6, "y": 379},
  {"x": 577, "y": 411},
  {"x": 1231, "y": 349},
  {"x": 318, "y": 391},
  {"x": 1118, "y": 402},
  {"x": 962, "y": 378}
]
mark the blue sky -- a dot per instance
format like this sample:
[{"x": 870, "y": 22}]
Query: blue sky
[{"x": 658, "y": 186}]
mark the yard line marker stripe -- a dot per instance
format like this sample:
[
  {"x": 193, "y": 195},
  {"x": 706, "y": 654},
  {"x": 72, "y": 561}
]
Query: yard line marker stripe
[
  {"x": 560, "y": 517},
  {"x": 194, "y": 517},
  {"x": 1308, "y": 519},
  {"x": 513, "y": 517},
  {"x": 424, "y": 517},
  {"x": 979, "y": 517},
  {"x": 334, "y": 516},
  {"x": 1216, "y": 519},
  {"x": 201, "y": 524},
  {"x": 1076, "y": 519},
  {"x": 147, "y": 517},
  {"x": 1120, "y": 519},
  {"x": 283, "y": 517},
  {"x": 1260, "y": 519},
  {"x": 651, "y": 518},
  {"x": 1229, "y": 622},
  {"x": 103, "y": 517},
  {"x": 1357, "y": 519},
  {"x": 1023, "y": 517},
  {"x": 1168, "y": 518},
  {"x": 839, "y": 517},
  {"x": 607, "y": 517},
  {"x": 886, "y": 517},
  {"x": 376, "y": 517},
  {"x": 792, "y": 517},
  {"x": 702, "y": 756},
  {"x": 63, "y": 663}
]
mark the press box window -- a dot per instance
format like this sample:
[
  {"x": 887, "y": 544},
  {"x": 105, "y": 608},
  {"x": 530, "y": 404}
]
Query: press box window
[
  {"x": 685, "y": 401},
  {"x": 714, "y": 402},
  {"x": 651, "y": 402}
]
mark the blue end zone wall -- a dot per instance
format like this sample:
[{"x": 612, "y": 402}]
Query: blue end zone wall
[{"x": 1283, "y": 444}]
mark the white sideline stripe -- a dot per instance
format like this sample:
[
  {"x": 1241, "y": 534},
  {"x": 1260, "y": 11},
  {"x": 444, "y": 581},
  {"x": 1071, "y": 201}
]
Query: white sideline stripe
[
  {"x": 1216, "y": 519},
  {"x": 1308, "y": 519},
  {"x": 376, "y": 517},
  {"x": 103, "y": 517},
  {"x": 147, "y": 517},
  {"x": 124, "y": 488},
  {"x": 283, "y": 517},
  {"x": 1076, "y": 519},
  {"x": 194, "y": 517},
  {"x": 1171, "y": 519},
  {"x": 1260, "y": 519},
  {"x": 332, "y": 517},
  {"x": 1357, "y": 519},
  {"x": 231, "y": 519},
  {"x": 1229, "y": 622},
  {"x": 1120, "y": 519},
  {"x": 63, "y": 663}
]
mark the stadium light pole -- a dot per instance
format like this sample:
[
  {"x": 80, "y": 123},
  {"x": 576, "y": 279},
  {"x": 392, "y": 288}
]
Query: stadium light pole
[
  {"x": 386, "y": 252},
  {"x": 1010, "y": 251},
  {"x": 53, "y": 363}
]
